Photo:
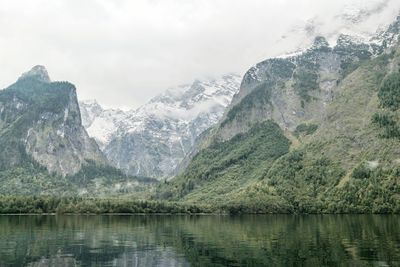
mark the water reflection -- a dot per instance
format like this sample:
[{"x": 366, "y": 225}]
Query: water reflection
[{"x": 274, "y": 240}]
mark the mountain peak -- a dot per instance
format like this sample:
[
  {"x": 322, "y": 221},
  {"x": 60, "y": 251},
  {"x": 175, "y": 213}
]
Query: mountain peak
[
  {"x": 91, "y": 102},
  {"x": 320, "y": 42},
  {"x": 38, "y": 72}
]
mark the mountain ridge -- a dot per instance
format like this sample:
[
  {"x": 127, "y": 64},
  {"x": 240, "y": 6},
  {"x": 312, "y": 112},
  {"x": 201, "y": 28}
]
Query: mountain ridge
[
  {"x": 153, "y": 139},
  {"x": 329, "y": 104}
]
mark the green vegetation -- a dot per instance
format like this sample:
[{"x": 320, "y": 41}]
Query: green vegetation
[
  {"x": 225, "y": 167},
  {"x": 79, "y": 205},
  {"x": 306, "y": 80},
  {"x": 91, "y": 171},
  {"x": 344, "y": 168},
  {"x": 389, "y": 92},
  {"x": 362, "y": 171},
  {"x": 294, "y": 184},
  {"x": 258, "y": 98},
  {"x": 30, "y": 178},
  {"x": 327, "y": 174},
  {"x": 371, "y": 191},
  {"x": 51, "y": 97},
  {"x": 24, "y": 104},
  {"x": 389, "y": 123},
  {"x": 305, "y": 129},
  {"x": 33, "y": 106},
  {"x": 301, "y": 181},
  {"x": 389, "y": 99},
  {"x": 348, "y": 66},
  {"x": 312, "y": 186},
  {"x": 356, "y": 56}
]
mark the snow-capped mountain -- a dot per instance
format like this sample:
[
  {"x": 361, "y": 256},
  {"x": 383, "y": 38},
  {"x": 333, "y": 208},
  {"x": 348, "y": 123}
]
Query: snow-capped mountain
[
  {"x": 361, "y": 20},
  {"x": 100, "y": 123},
  {"x": 152, "y": 140}
]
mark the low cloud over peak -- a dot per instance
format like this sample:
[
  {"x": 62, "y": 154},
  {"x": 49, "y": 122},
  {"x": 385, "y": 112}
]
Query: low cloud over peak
[{"x": 124, "y": 52}]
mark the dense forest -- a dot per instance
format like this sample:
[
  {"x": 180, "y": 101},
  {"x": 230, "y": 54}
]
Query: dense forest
[
  {"x": 268, "y": 204},
  {"x": 82, "y": 205},
  {"x": 346, "y": 162},
  {"x": 317, "y": 132}
]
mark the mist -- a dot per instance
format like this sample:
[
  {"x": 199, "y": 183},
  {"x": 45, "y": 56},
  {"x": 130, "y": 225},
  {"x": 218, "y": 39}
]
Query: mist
[{"x": 123, "y": 53}]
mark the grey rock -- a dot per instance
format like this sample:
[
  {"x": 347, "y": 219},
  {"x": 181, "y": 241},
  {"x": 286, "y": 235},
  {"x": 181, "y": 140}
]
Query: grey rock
[
  {"x": 152, "y": 140},
  {"x": 40, "y": 121}
]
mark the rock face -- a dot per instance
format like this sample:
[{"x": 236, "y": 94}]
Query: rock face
[
  {"x": 40, "y": 122},
  {"x": 317, "y": 131},
  {"x": 294, "y": 89},
  {"x": 101, "y": 124},
  {"x": 152, "y": 140}
]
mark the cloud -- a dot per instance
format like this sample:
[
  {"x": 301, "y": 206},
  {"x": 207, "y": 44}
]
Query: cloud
[{"x": 124, "y": 52}]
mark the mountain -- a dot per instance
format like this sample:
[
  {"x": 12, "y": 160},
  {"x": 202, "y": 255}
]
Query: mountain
[
  {"x": 359, "y": 19},
  {"x": 152, "y": 140},
  {"x": 317, "y": 131},
  {"x": 102, "y": 124},
  {"x": 44, "y": 147},
  {"x": 40, "y": 119}
]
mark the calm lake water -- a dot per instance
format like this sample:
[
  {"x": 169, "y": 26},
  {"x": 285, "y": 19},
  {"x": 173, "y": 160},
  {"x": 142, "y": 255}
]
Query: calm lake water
[{"x": 271, "y": 240}]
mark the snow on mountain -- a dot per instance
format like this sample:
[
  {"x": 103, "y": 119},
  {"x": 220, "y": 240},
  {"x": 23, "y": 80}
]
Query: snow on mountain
[
  {"x": 361, "y": 20},
  {"x": 187, "y": 102},
  {"x": 152, "y": 140},
  {"x": 101, "y": 124}
]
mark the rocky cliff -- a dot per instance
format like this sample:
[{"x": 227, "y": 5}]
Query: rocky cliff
[
  {"x": 152, "y": 140},
  {"x": 317, "y": 131},
  {"x": 40, "y": 121}
]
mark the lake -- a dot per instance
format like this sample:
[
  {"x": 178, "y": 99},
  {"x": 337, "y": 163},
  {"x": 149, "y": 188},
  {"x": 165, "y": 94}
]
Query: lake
[{"x": 264, "y": 240}]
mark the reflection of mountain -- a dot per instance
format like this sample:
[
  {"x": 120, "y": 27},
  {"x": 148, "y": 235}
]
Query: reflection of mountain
[
  {"x": 86, "y": 241},
  {"x": 163, "y": 257},
  {"x": 275, "y": 240},
  {"x": 57, "y": 260}
]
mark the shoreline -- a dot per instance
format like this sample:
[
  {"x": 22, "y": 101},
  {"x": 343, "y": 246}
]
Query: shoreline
[{"x": 187, "y": 214}]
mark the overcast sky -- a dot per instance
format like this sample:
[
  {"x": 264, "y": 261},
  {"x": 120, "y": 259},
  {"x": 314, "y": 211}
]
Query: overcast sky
[{"x": 123, "y": 52}]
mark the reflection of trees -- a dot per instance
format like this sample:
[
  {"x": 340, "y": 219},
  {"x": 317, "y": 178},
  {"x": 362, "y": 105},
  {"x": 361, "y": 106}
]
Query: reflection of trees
[
  {"x": 57, "y": 260},
  {"x": 87, "y": 239},
  {"x": 281, "y": 240},
  {"x": 278, "y": 240}
]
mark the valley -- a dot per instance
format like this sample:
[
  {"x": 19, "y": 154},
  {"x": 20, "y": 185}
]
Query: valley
[{"x": 312, "y": 132}]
